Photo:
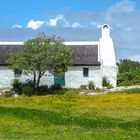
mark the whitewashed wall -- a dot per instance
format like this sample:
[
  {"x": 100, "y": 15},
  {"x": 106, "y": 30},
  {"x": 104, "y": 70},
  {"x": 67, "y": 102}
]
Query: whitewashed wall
[
  {"x": 74, "y": 76},
  {"x": 110, "y": 72},
  {"x": 7, "y": 75}
]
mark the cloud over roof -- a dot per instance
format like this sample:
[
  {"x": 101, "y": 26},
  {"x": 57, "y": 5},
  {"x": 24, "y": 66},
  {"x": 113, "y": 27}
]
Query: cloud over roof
[{"x": 35, "y": 24}]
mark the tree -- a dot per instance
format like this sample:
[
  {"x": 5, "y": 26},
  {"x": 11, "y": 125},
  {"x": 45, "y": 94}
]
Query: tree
[
  {"x": 127, "y": 65},
  {"x": 129, "y": 72},
  {"x": 40, "y": 55}
]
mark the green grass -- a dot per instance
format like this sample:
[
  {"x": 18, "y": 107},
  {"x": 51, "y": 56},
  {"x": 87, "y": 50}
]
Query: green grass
[{"x": 73, "y": 117}]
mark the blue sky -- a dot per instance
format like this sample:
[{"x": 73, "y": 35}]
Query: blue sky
[
  {"x": 74, "y": 20},
  {"x": 20, "y": 11}
]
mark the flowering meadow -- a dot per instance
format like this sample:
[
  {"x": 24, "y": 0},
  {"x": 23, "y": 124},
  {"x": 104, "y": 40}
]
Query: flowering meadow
[{"x": 71, "y": 117}]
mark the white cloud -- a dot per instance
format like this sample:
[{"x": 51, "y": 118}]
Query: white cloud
[
  {"x": 53, "y": 22},
  {"x": 35, "y": 24},
  {"x": 98, "y": 25},
  {"x": 76, "y": 24},
  {"x": 17, "y": 26},
  {"x": 123, "y": 6}
]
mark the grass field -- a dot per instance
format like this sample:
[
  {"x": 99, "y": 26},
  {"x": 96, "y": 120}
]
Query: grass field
[{"x": 71, "y": 117}]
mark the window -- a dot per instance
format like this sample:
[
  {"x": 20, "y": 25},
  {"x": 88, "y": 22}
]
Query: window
[
  {"x": 17, "y": 73},
  {"x": 85, "y": 72}
]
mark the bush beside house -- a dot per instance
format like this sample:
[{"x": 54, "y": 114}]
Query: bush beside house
[{"x": 129, "y": 73}]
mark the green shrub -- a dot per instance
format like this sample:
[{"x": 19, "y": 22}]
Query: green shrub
[
  {"x": 55, "y": 87},
  {"x": 8, "y": 94},
  {"x": 91, "y": 85},
  {"x": 105, "y": 82},
  {"x": 41, "y": 90},
  {"x": 83, "y": 86},
  {"x": 17, "y": 86},
  {"x": 128, "y": 78},
  {"x": 109, "y": 86},
  {"x": 27, "y": 87},
  {"x": 129, "y": 73},
  {"x": 27, "y": 90}
]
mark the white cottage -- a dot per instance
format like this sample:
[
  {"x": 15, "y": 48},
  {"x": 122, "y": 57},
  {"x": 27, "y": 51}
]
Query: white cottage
[{"x": 92, "y": 61}]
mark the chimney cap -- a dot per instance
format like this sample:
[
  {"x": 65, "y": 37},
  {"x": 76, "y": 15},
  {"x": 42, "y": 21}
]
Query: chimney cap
[{"x": 105, "y": 26}]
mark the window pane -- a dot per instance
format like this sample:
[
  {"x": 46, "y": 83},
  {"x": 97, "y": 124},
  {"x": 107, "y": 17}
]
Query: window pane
[{"x": 85, "y": 72}]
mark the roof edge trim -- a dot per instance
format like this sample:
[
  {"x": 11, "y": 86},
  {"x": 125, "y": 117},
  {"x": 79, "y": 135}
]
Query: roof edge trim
[{"x": 66, "y": 43}]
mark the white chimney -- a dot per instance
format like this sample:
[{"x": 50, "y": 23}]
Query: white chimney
[{"x": 106, "y": 46}]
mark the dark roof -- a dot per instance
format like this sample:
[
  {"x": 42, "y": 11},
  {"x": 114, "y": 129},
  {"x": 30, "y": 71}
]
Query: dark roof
[
  {"x": 83, "y": 54},
  {"x": 5, "y": 50}
]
